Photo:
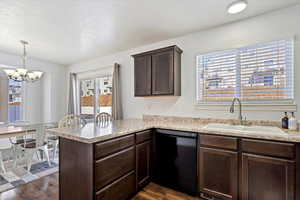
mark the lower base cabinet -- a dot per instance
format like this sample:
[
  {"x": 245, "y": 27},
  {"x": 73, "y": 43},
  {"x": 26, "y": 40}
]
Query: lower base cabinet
[
  {"x": 267, "y": 178},
  {"x": 114, "y": 166},
  {"x": 232, "y": 168},
  {"x": 218, "y": 174},
  {"x": 229, "y": 168},
  {"x": 121, "y": 189},
  {"x": 143, "y": 152}
]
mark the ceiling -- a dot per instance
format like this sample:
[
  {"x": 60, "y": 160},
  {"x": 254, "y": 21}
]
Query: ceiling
[{"x": 69, "y": 31}]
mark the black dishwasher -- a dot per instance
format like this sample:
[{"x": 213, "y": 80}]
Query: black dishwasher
[{"x": 176, "y": 160}]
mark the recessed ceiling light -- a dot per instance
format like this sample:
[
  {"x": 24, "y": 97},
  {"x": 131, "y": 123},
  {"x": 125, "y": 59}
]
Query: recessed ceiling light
[{"x": 237, "y": 6}]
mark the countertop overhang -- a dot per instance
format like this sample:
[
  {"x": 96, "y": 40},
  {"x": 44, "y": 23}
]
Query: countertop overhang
[{"x": 93, "y": 133}]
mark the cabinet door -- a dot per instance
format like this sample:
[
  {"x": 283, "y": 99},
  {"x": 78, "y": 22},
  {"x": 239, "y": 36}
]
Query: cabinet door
[
  {"x": 143, "y": 163},
  {"x": 218, "y": 173},
  {"x": 142, "y": 75},
  {"x": 163, "y": 73},
  {"x": 267, "y": 178}
]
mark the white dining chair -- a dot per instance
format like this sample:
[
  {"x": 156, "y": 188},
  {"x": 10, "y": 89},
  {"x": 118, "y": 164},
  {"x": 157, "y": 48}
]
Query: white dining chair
[
  {"x": 72, "y": 121},
  {"x": 19, "y": 140},
  {"x": 5, "y": 145},
  {"x": 53, "y": 141},
  {"x": 29, "y": 148}
]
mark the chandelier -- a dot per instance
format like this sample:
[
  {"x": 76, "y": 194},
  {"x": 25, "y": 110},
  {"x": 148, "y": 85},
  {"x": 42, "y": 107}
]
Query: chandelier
[{"x": 21, "y": 74}]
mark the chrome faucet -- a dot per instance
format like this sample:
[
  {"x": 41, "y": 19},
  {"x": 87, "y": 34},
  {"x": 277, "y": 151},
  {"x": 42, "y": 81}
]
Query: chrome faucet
[{"x": 240, "y": 118}]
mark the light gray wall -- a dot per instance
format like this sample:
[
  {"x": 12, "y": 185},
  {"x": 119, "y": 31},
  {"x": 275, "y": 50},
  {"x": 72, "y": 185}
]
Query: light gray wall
[
  {"x": 282, "y": 24},
  {"x": 44, "y": 100}
]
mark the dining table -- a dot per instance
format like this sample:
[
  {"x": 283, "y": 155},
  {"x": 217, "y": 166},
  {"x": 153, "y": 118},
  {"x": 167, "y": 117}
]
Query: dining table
[
  {"x": 13, "y": 129},
  {"x": 11, "y": 133}
]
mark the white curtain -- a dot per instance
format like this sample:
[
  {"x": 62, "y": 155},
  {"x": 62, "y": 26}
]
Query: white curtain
[
  {"x": 3, "y": 98},
  {"x": 74, "y": 99},
  {"x": 117, "y": 112}
]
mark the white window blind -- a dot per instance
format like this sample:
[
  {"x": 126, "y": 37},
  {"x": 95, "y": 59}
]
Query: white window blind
[{"x": 262, "y": 72}]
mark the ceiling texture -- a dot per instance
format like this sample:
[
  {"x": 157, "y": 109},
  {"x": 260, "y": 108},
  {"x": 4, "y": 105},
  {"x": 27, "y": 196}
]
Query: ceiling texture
[{"x": 69, "y": 31}]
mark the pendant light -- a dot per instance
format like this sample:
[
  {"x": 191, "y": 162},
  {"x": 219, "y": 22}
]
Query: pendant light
[{"x": 22, "y": 74}]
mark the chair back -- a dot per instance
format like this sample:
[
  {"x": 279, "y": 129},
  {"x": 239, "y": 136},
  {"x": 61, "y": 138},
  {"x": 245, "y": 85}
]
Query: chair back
[
  {"x": 40, "y": 134},
  {"x": 72, "y": 121},
  {"x": 103, "y": 117},
  {"x": 21, "y": 123},
  {"x": 37, "y": 137}
]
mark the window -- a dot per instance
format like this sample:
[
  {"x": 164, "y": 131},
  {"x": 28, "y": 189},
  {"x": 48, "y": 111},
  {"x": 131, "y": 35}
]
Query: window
[
  {"x": 14, "y": 101},
  {"x": 95, "y": 90},
  {"x": 262, "y": 72}
]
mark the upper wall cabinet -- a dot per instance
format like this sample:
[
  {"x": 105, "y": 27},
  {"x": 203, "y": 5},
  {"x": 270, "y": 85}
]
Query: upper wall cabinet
[{"x": 158, "y": 72}]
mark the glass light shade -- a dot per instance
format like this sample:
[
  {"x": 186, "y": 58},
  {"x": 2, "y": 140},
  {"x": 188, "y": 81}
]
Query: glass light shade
[
  {"x": 22, "y": 74},
  {"x": 38, "y": 74},
  {"x": 9, "y": 72},
  {"x": 31, "y": 76},
  {"x": 237, "y": 7},
  {"x": 22, "y": 71},
  {"x": 16, "y": 76}
]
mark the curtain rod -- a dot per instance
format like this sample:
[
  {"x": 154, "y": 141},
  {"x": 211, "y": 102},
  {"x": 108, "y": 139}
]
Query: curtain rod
[{"x": 94, "y": 70}]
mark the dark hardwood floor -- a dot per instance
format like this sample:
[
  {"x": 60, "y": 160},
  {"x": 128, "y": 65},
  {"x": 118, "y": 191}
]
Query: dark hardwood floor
[
  {"x": 156, "y": 192},
  {"x": 47, "y": 189}
]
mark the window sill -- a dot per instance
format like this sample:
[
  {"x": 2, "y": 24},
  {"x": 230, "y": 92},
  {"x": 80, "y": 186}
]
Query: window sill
[{"x": 273, "y": 107}]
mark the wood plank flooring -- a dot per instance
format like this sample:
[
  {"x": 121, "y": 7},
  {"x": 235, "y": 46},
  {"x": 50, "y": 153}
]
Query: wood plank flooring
[
  {"x": 46, "y": 188},
  {"x": 157, "y": 192}
]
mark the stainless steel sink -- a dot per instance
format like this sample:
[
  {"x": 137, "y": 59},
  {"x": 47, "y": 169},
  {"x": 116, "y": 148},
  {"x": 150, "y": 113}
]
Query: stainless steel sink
[{"x": 243, "y": 129}]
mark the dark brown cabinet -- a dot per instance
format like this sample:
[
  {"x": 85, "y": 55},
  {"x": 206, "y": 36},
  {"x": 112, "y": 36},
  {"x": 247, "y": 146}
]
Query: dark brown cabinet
[
  {"x": 218, "y": 173},
  {"x": 162, "y": 73},
  {"x": 121, "y": 189},
  {"x": 113, "y": 167},
  {"x": 142, "y": 74},
  {"x": 158, "y": 72},
  {"x": 229, "y": 168},
  {"x": 232, "y": 168},
  {"x": 143, "y": 163},
  {"x": 143, "y": 157},
  {"x": 267, "y": 178}
]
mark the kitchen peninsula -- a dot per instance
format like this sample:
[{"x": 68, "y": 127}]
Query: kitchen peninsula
[{"x": 117, "y": 160}]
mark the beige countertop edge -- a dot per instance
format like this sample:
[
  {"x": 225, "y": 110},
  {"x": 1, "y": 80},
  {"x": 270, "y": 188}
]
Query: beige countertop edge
[
  {"x": 96, "y": 138},
  {"x": 289, "y": 137}
]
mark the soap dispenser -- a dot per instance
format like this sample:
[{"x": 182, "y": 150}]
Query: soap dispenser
[
  {"x": 293, "y": 122},
  {"x": 285, "y": 121}
]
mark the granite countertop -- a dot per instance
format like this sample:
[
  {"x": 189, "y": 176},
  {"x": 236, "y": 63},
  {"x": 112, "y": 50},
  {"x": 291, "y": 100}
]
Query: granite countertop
[{"x": 93, "y": 133}]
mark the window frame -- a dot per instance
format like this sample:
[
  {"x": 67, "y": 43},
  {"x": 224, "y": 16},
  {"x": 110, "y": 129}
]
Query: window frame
[
  {"x": 22, "y": 103},
  {"x": 289, "y": 104},
  {"x": 94, "y": 78}
]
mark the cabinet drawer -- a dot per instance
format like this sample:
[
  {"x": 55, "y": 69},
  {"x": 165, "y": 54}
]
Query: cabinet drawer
[
  {"x": 143, "y": 136},
  {"x": 121, "y": 189},
  {"x": 219, "y": 142},
  {"x": 112, "y": 146},
  {"x": 113, "y": 167},
  {"x": 277, "y": 149}
]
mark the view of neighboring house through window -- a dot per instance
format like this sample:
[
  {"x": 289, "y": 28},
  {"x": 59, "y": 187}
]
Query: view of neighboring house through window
[
  {"x": 95, "y": 96},
  {"x": 14, "y": 101},
  {"x": 262, "y": 72}
]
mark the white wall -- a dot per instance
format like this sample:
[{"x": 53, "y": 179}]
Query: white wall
[
  {"x": 44, "y": 100},
  {"x": 281, "y": 24}
]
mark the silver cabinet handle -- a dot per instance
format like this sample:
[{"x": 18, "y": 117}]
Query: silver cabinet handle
[{"x": 206, "y": 197}]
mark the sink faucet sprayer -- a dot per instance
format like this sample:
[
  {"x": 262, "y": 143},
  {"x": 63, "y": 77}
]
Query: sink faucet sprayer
[{"x": 240, "y": 117}]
